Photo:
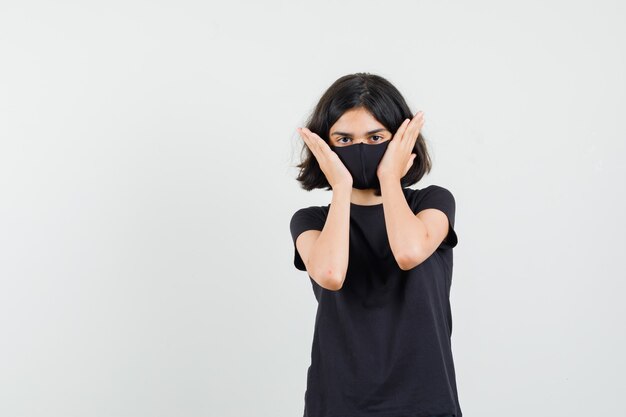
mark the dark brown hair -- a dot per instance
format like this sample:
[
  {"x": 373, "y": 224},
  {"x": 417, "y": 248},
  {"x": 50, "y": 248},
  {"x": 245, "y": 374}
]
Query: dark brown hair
[{"x": 378, "y": 96}]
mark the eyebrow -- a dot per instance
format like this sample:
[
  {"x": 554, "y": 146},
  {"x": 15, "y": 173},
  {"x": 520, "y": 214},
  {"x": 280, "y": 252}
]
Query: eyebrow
[{"x": 350, "y": 134}]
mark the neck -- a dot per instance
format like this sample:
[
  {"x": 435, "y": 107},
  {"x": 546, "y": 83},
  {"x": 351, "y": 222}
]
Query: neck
[{"x": 365, "y": 197}]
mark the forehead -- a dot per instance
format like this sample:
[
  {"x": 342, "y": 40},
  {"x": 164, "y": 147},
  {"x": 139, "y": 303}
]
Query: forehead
[{"x": 357, "y": 121}]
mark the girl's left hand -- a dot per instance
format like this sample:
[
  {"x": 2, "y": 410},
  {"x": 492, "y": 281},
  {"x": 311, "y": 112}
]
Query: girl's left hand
[{"x": 398, "y": 156}]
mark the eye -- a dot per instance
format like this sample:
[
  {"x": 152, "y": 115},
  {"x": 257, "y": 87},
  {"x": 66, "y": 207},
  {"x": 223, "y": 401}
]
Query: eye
[
  {"x": 343, "y": 137},
  {"x": 377, "y": 136}
]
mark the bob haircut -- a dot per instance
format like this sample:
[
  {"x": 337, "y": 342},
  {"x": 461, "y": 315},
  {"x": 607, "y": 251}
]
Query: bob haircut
[{"x": 376, "y": 95}]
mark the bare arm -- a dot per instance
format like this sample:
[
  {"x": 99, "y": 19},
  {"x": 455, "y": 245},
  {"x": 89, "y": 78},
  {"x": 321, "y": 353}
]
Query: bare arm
[
  {"x": 325, "y": 252},
  {"x": 412, "y": 237}
]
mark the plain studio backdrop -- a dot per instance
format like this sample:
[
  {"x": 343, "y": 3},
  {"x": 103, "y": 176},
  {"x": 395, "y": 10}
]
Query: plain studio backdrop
[{"x": 147, "y": 182}]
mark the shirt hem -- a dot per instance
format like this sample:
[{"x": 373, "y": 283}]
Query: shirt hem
[{"x": 409, "y": 412}]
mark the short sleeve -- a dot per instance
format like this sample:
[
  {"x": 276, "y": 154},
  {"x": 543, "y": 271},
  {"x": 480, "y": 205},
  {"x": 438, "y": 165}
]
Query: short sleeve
[
  {"x": 440, "y": 198},
  {"x": 308, "y": 218}
]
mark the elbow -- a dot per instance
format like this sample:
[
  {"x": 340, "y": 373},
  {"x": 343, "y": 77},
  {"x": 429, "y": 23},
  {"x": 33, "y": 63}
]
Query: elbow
[
  {"x": 409, "y": 260},
  {"x": 406, "y": 265},
  {"x": 329, "y": 280},
  {"x": 333, "y": 284}
]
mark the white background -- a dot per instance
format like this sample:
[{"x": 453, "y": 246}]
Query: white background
[{"x": 147, "y": 179}]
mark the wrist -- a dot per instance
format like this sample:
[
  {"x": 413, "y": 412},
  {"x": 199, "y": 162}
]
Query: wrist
[
  {"x": 342, "y": 189},
  {"x": 388, "y": 178}
]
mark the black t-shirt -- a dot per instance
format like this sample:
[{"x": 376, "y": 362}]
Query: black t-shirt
[{"x": 382, "y": 343}]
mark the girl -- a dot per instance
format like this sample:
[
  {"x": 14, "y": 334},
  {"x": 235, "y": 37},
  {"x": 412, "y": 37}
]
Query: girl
[{"x": 379, "y": 257}]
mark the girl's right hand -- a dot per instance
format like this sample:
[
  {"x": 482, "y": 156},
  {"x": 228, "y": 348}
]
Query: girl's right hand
[{"x": 335, "y": 171}]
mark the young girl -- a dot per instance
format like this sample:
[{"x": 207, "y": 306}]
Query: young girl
[{"x": 379, "y": 257}]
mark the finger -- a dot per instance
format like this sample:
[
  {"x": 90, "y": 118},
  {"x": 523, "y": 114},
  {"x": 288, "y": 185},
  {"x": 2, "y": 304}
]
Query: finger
[
  {"x": 321, "y": 142},
  {"x": 312, "y": 138},
  {"x": 309, "y": 143},
  {"x": 303, "y": 137},
  {"x": 323, "y": 146},
  {"x": 413, "y": 129},
  {"x": 419, "y": 122},
  {"x": 415, "y": 122},
  {"x": 418, "y": 129},
  {"x": 317, "y": 145},
  {"x": 408, "y": 131},
  {"x": 401, "y": 130}
]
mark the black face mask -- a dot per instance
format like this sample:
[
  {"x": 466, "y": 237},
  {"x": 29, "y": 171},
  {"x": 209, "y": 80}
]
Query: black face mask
[{"x": 362, "y": 161}]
